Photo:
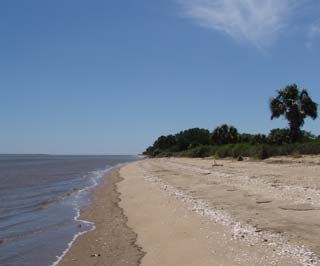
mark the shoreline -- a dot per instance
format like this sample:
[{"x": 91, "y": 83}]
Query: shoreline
[
  {"x": 70, "y": 244},
  {"x": 109, "y": 221},
  {"x": 182, "y": 211}
]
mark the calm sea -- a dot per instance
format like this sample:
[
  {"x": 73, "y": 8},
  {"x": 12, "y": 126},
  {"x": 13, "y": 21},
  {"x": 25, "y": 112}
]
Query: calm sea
[{"x": 40, "y": 200}]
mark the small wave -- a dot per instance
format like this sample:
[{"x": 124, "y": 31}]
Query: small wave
[
  {"x": 76, "y": 218},
  {"x": 46, "y": 203},
  {"x": 94, "y": 176},
  {"x": 32, "y": 232},
  {"x": 26, "y": 210},
  {"x": 42, "y": 195},
  {"x": 6, "y": 227}
]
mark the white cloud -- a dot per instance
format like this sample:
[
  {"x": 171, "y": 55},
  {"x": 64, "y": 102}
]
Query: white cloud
[
  {"x": 313, "y": 33},
  {"x": 256, "y": 21}
]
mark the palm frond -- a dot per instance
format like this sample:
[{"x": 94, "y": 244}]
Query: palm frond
[
  {"x": 277, "y": 108},
  {"x": 309, "y": 107}
]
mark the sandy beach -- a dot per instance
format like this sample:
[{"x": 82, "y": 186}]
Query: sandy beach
[
  {"x": 179, "y": 211},
  {"x": 112, "y": 243}
]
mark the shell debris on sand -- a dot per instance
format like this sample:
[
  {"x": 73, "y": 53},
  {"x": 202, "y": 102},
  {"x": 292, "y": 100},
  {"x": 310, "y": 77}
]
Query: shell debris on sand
[{"x": 241, "y": 232}]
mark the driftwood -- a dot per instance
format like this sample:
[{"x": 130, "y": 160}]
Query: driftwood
[{"x": 216, "y": 164}]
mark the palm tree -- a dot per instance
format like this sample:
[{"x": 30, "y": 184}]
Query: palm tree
[
  {"x": 295, "y": 105},
  {"x": 224, "y": 135}
]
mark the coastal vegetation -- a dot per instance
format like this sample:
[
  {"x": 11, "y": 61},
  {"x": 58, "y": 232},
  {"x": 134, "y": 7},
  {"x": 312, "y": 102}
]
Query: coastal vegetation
[
  {"x": 295, "y": 105},
  {"x": 225, "y": 140}
]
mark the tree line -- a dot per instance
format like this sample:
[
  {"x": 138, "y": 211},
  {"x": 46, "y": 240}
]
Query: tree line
[{"x": 291, "y": 102}]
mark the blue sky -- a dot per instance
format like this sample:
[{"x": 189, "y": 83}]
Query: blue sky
[{"x": 108, "y": 77}]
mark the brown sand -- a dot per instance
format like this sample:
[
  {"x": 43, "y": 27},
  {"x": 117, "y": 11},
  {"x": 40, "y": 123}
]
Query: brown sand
[
  {"x": 201, "y": 212},
  {"x": 279, "y": 195},
  {"x": 172, "y": 234},
  {"x": 112, "y": 243},
  {"x": 272, "y": 205}
]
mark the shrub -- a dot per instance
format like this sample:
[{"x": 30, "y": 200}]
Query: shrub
[
  {"x": 312, "y": 147},
  {"x": 198, "y": 152}
]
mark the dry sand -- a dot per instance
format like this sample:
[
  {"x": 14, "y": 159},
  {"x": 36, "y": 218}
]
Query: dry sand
[{"x": 204, "y": 212}]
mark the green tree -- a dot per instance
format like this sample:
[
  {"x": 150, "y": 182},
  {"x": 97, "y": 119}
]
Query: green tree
[
  {"x": 150, "y": 151},
  {"x": 224, "y": 135},
  {"x": 165, "y": 142},
  {"x": 307, "y": 136},
  {"x": 193, "y": 137},
  {"x": 295, "y": 105},
  {"x": 259, "y": 139},
  {"x": 279, "y": 136},
  {"x": 246, "y": 138}
]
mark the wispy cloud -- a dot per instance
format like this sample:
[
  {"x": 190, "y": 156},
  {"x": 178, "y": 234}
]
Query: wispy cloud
[
  {"x": 313, "y": 33},
  {"x": 258, "y": 22}
]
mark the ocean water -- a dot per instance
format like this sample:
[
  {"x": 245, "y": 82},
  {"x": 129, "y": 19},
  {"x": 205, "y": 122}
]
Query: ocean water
[{"x": 40, "y": 201}]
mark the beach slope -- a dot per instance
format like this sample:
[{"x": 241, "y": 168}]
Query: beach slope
[
  {"x": 112, "y": 242},
  {"x": 178, "y": 211}
]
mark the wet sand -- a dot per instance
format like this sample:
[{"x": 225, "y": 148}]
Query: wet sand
[{"x": 112, "y": 243}]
